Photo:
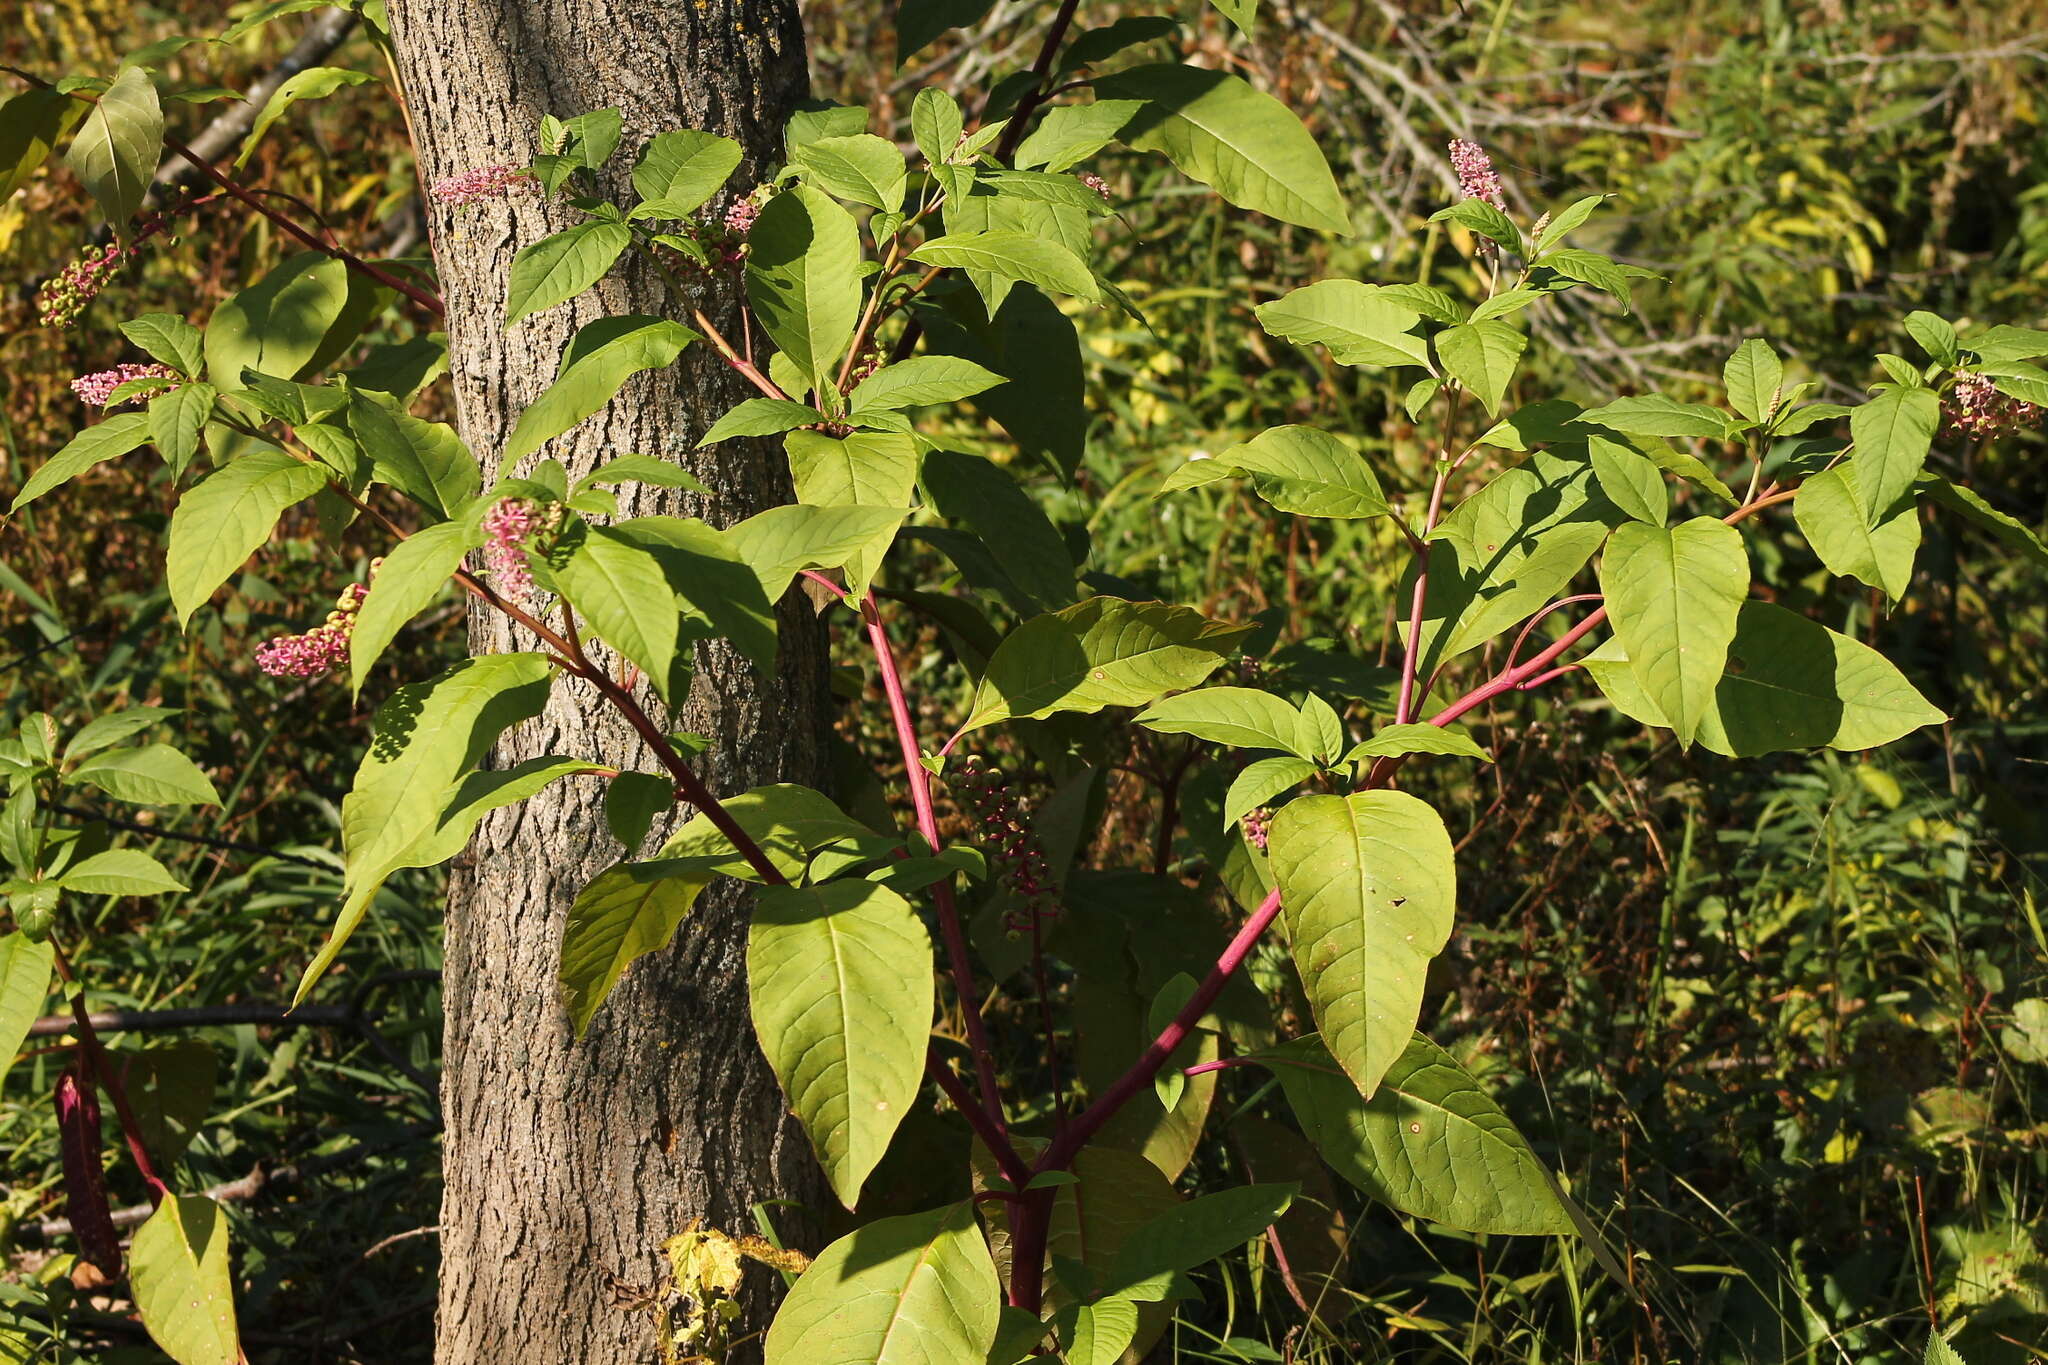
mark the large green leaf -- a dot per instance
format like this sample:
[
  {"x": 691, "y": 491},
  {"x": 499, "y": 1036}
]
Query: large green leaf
[
  {"x": 1297, "y": 469},
  {"x": 1892, "y": 433},
  {"x": 919, "y": 381},
  {"x": 705, "y": 572},
  {"x": 858, "y": 166},
  {"x": 1241, "y": 142},
  {"x": 1101, "y": 652},
  {"x": 1482, "y": 356},
  {"x": 184, "y": 1287},
  {"x": 1631, "y": 481},
  {"x": 1753, "y": 377},
  {"x": 116, "y": 150},
  {"x": 25, "y": 967},
  {"x": 974, "y": 491},
  {"x": 314, "y": 83},
  {"x": 426, "y": 461},
  {"x": 803, "y": 262},
  {"x": 865, "y": 469},
  {"x": 1071, "y": 133},
  {"x": 276, "y": 325},
  {"x": 1360, "y": 323},
  {"x": 1033, "y": 345},
  {"x": 168, "y": 338},
  {"x": 175, "y": 421},
  {"x": 1369, "y": 889},
  {"x": 1790, "y": 683},
  {"x": 598, "y": 360},
  {"x": 1195, "y": 1233},
  {"x": 428, "y": 736},
  {"x": 916, "y": 1290},
  {"x": 221, "y": 520},
  {"x": 781, "y": 541},
  {"x": 1429, "y": 1142},
  {"x": 839, "y": 977},
  {"x": 627, "y": 911},
  {"x": 1652, "y": 414},
  {"x": 153, "y": 775},
  {"x": 2008, "y": 531},
  {"x": 677, "y": 171},
  {"x": 1009, "y": 254},
  {"x": 787, "y": 821},
  {"x": 619, "y": 588},
  {"x": 31, "y": 124},
  {"x": 413, "y": 574},
  {"x": 1879, "y": 551},
  {"x": 1673, "y": 595},
  {"x": 108, "y": 440},
  {"x": 1242, "y": 717},
  {"x": 119, "y": 872},
  {"x": 557, "y": 268}
]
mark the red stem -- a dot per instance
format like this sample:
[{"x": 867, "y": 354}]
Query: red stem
[
  {"x": 999, "y": 1145},
  {"x": 950, "y": 927},
  {"x": 96, "y": 1058}
]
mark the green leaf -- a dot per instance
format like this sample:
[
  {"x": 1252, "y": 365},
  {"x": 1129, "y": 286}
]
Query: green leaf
[
  {"x": 1296, "y": 469},
  {"x": 1480, "y": 217},
  {"x": 781, "y": 541},
  {"x": 1892, "y": 433},
  {"x": 840, "y": 980},
  {"x": 1195, "y": 1233},
  {"x": 1482, "y": 356},
  {"x": 120, "y": 872},
  {"x": 915, "y": 1290},
  {"x": 1753, "y": 377},
  {"x": 1368, "y": 888},
  {"x": 1241, "y": 142},
  {"x": 1239, "y": 12},
  {"x": 25, "y": 968},
  {"x": 276, "y": 325},
  {"x": 681, "y": 170},
  {"x": 1565, "y": 221},
  {"x": 1429, "y": 1142},
  {"x": 115, "y": 153},
  {"x": 1832, "y": 516},
  {"x": 803, "y": 262},
  {"x": 1673, "y": 595},
  {"x": 632, "y": 803},
  {"x": 428, "y": 736},
  {"x": 426, "y": 461},
  {"x": 113, "y": 727},
  {"x": 1007, "y": 254},
  {"x": 153, "y": 775},
  {"x": 1653, "y": 414},
  {"x": 1361, "y": 324},
  {"x": 936, "y": 124},
  {"x": 2008, "y": 531},
  {"x": 1939, "y": 1352},
  {"x": 1260, "y": 782},
  {"x": 1034, "y": 346},
  {"x": 599, "y": 359},
  {"x": 168, "y": 338},
  {"x": 1098, "y": 1333},
  {"x": 183, "y": 1285},
  {"x": 411, "y": 577},
  {"x": 861, "y": 167},
  {"x": 1392, "y": 741},
  {"x": 1630, "y": 480},
  {"x": 1790, "y": 683},
  {"x": 624, "y": 469},
  {"x": 627, "y": 911},
  {"x": 705, "y": 571},
  {"x": 175, "y": 421},
  {"x": 170, "y": 1087},
  {"x": 1071, "y": 133},
  {"x": 1688, "y": 466},
  {"x": 619, "y": 588},
  {"x": 970, "y": 489},
  {"x": 1100, "y": 652},
  {"x": 109, "y": 440},
  {"x": 866, "y": 469},
  {"x": 223, "y": 519},
  {"x": 762, "y": 417},
  {"x": 789, "y": 823},
  {"x": 920, "y": 381},
  {"x": 1590, "y": 267},
  {"x": 557, "y": 268},
  {"x": 311, "y": 84},
  {"x": 920, "y": 22},
  {"x": 31, "y": 125},
  {"x": 1241, "y": 717}
]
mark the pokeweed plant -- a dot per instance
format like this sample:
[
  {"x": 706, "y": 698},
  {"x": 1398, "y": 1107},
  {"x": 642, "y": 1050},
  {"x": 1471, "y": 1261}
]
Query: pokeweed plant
[{"x": 880, "y": 288}]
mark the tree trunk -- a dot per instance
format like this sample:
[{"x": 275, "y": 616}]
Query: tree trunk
[{"x": 568, "y": 1163}]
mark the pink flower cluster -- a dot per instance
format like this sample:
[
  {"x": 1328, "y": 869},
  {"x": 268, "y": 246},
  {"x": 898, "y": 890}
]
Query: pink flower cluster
[
  {"x": 320, "y": 649},
  {"x": 1976, "y": 408},
  {"x": 64, "y": 295},
  {"x": 508, "y": 528},
  {"x": 1257, "y": 825},
  {"x": 1014, "y": 850},
  {"x": 484, "y": 182},
  {"x": 1098, "y": 184},
  {"x": 740, "y": 217},
  {"x": 1476, "y": 177},
  {"x": 95, "y": 389}
]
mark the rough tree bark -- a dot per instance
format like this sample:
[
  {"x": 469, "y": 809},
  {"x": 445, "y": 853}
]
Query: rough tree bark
[{"x": 568, "y": 1163}]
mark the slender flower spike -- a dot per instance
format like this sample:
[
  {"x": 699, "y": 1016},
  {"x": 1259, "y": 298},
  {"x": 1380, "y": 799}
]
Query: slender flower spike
[
  {"x": 509, "y": 527},
  {"x": 1476, "y": 177},
  {"x": 321, "y": 649},
  {"x": 484, "y": 182},
  {"x": 96, "y": 389},
  {"x": 1098, "y": 184},
  {"x": 1976, "y": 408}
]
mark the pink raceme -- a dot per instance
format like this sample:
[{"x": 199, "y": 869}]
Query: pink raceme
[
  {"x": 321, "y": 649},
  {"x": 95, "y": 389},
  {"x": 1975, "y": 407},
  {"x": 481, "y": 183},
  {"x": 508, "y": 528},
  {"x": 1476, "y": 177}
]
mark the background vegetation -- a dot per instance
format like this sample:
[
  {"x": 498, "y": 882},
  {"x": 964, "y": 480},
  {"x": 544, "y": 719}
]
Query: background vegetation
[{"x": 1780, "y": 1023}]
